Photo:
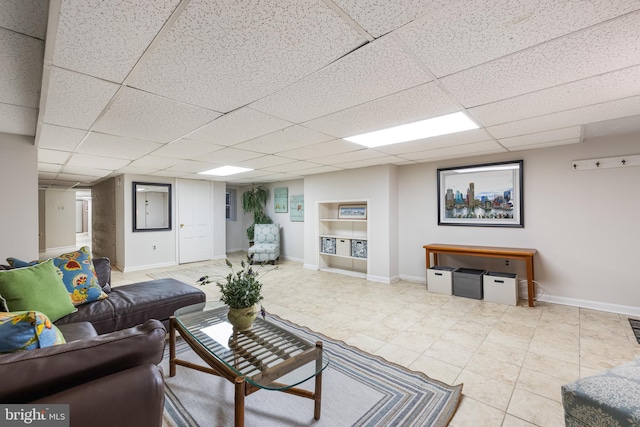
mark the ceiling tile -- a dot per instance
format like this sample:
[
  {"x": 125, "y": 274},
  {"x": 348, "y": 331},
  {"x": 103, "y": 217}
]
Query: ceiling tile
[
  {"x": 154, "y": 162},
  {"x": 593, "y": 90},
  {"x": 579, "y": 116},
  {"x": 460, "y": 138},
  {"x": 25, "y": 16},
  {"x": 186, "y": 149},
  {"x": 20, "y": 68},
  {"x": 319, "y": 169},
  {"x": 248, "y": 49},
  {"x": 285, "y": 139},
  {"x": 335, "y": 147},
  {"x": 418, "y": 103},
  {"x": 545, "y": 144},
  {"x": 170, "y": 174},
  {"x": 477, "y": 148},
  {"x": 372, "y": 162},
  {"x": 101, "y": 144},
  {"x": 192, "y": 166},
  {"x": 60, "y": 138},
  {"x": 464, "y": 34},
  {"x": 87, "y": 171},
  {"x": 106, "y": 39},
  {"x": 142, "y": 115},
  {"x": 596, "y": 50},
  {"x": 296, "y": 167},
  {"x": 47, "y": 175},
  {"x": 84, "y": 179},
  {"x": 542, "y": 137},
  {"x": 229, "y": 155},
  {"x": 18, "y": 120},
  {"x": 86, "y": 160},
  {"x": 352, "y": 156},
  {"x": 136, "y": 170},
  {"x": 382, "y": 17},
  {"x": 238, "y": 126},
  {"x": 263, "y": 162},
  {"x": 49, "y": 167},
  {"x": 375, "y": 70},
  {"x": 52, "y": 156},
  {"x": 621, "y": 126},
  {"x": 75, "y": 100}
]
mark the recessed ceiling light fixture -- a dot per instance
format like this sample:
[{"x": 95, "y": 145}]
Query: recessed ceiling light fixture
[
  {"x": 443, "y": 125},
  {"x": 225, "y": 171}
]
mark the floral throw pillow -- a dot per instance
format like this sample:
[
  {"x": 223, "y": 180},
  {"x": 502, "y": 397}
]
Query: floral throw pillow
[
  {"x": 79, "y": 276},
  {"x": 27, "y": 330}
]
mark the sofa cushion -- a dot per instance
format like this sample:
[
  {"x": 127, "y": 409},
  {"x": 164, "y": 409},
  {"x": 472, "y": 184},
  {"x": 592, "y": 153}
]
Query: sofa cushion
[
  {"x": 27, "y": 330},
  {"x": 37, "y": 288},
  {"x": 100, "y": 314},
  {"x": 78, "y": 331},
  {"x": 154, "y": 299}
]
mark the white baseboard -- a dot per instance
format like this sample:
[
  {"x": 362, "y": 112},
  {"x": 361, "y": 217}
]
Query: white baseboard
[
  {"x": 310, "y": 267},
  {"x": 288, "y": 258},
  {"x": 146, "y": 267},
  {"x": 416, "y": 279},
  {"x": 627, "y": 310},
  {"x": 379, "y": 279}
]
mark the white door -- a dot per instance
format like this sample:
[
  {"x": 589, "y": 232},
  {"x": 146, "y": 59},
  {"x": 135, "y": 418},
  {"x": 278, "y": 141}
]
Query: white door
[{"x": 194, "y": 221}]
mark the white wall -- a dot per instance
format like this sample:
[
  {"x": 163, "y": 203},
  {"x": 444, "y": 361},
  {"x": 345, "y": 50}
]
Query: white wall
[
  {"x": 235, "y": 231},
  {"x": 19, "y": 212},
  {"x": 219, "y": 190},
  {"x": 583, "y": 224}
]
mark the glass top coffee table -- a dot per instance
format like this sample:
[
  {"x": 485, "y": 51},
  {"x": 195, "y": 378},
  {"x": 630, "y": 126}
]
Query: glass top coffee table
[{"x": 264, "y": 357}]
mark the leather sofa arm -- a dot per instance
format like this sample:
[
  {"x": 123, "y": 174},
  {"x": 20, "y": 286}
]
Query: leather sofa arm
[
  {"x": 34, "y": 374},
  {"x": 135, "y": 399},
  {"x": 102, "y": 266}
]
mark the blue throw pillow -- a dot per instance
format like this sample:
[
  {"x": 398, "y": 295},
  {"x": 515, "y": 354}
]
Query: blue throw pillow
[{"x": 27, "y": 330}]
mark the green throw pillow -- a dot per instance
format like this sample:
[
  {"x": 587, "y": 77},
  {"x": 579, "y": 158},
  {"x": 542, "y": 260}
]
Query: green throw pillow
[
  {"x": 36, "y": 288},
  {"x": 27, "y": 330}
]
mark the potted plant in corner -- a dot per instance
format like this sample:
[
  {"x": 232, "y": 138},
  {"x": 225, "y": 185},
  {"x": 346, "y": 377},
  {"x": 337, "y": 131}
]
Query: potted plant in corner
[
  {"x": 254, "y": 201},
  {"x": 242, "y": 293}
]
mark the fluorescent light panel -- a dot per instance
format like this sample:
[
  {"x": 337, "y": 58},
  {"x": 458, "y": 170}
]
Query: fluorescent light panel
[
  {"x": 225, "y": 171},
  {"x": 443, "y": 125}
]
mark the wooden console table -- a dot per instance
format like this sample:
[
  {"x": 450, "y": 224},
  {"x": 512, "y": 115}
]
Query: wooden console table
[{"x": 488, "y": 252}]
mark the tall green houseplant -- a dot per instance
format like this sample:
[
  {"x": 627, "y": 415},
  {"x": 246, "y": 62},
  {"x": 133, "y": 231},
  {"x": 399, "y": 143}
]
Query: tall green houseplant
[{"x": 254, "y": 201}]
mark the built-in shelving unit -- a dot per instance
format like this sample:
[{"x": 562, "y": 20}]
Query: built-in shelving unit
[{"x": 343, "y": 243}]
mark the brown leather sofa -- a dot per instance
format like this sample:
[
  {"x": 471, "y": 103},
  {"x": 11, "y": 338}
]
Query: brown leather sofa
[
  {"x": 108, "y": 370},
  {"x": 107, "y": 380},
  {"x": 130, "y": 305}
]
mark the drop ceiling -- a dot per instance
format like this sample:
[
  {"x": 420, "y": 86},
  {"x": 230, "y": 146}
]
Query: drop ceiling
[{"x": 171, "y": 88}]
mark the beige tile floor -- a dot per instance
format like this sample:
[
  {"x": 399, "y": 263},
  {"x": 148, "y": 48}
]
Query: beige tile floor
[{"x": 512, "y": 360}]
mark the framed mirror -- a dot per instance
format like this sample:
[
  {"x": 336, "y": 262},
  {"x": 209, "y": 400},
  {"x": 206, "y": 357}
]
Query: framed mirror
[{"x": 151, "y": 206}]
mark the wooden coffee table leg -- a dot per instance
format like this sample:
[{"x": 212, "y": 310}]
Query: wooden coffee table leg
[
  {"x": 172, "y": 346},
  {"x": 318, "y": 383},
  {"x": 239, "y": 402}
]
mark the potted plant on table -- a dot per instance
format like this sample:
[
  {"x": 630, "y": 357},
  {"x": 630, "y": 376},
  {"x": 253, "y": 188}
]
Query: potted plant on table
[{"x": 242, "y": 292}]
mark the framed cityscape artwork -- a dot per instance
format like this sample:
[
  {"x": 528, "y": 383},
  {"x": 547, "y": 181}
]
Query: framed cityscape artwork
[{"x": 489, "y": 195}]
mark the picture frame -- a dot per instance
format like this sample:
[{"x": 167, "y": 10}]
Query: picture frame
[
  {"x": 280, "y": 199},
  {"x": 495, "y": 191},
  {"x": 296, "y": 213},
  {"x": 352, "y": 212}
]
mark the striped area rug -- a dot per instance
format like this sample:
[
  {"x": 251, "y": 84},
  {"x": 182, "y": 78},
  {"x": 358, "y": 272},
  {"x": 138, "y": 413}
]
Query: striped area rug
[{"x": 359, "y": 389}]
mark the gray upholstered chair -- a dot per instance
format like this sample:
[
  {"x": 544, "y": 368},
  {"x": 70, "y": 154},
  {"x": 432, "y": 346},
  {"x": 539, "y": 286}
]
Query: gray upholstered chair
[{"x": 266, "y": 243}]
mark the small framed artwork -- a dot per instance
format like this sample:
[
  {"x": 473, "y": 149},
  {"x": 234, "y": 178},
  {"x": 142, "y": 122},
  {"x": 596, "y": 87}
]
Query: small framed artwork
[
  {"x": 280, "y": 196},
  {"x": 352, "y": 212},
  {"x": 296, "y": 214},
  {"x": 486, "y": 195}
]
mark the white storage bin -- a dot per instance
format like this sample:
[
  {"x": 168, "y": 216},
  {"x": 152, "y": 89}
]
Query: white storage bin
[
  {"x": 440, "y": 280},
  {"x": 343, "y": 247},
  {"x": 501, "y": 288}
]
